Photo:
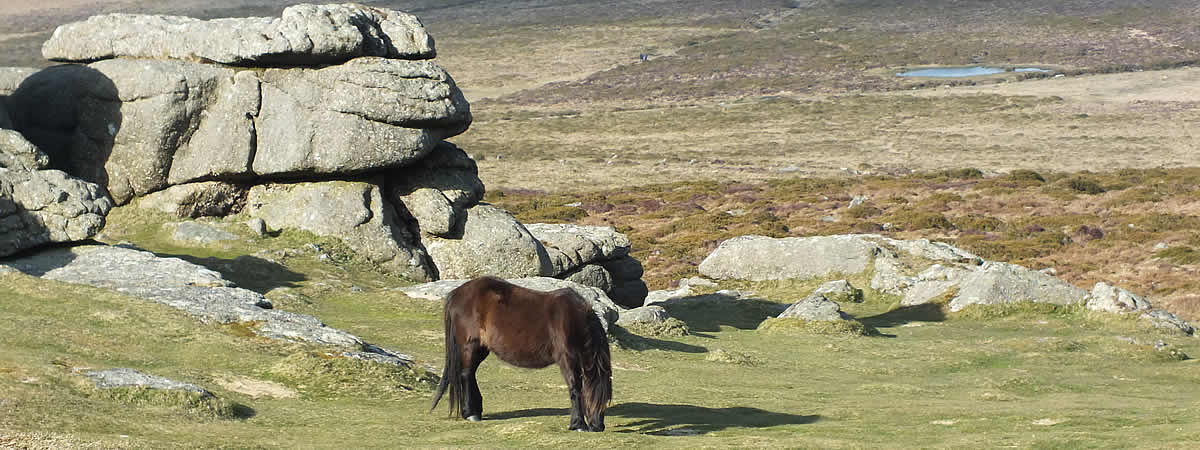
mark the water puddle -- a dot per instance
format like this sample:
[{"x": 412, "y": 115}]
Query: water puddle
[{"x": 959, "y": 72}]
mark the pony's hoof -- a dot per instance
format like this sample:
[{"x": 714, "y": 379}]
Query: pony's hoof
[{"x": 475, "y": 418}]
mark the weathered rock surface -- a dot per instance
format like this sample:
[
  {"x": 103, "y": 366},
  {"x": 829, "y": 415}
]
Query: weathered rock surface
[
  {"x": 119, "y": 123},
  {"x": 590, "y": 275},
  {"x": 999, "y": 283},
  {"x": 366, "y": 114},
  {"x": 353, "y": 211},
  {"x": 43, "y": 206},
  {"x": 573, "y": 246},
  {"x": 840, "y": 291},
  {"x": 138, "y": 126},
  {"x": 601, "y": 304},
  {"x": 438, "y": 189},
  {"x": 814, "y": 307},
  {"x": 759, "y": 258},
  {"x": 304, "y": 35},
  {"x": 492, "y": 243},
  {"x": 197, "y": 291},
  {"x": 932, "y": 283},
  {"x": 123, "y": 377},
  {"x": 1163, "y": 319},
  {"x": 1108, "y": 298},
  {"x": 192, "y": 200},
  {"x": 643, "y": 315},
  {"x": 16, "y": 152}
]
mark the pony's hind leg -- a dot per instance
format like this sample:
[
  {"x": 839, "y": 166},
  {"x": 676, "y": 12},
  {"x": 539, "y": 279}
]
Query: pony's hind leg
[
  {"x": 574, "y": 378},
  {"x": 472, "y": 408}
]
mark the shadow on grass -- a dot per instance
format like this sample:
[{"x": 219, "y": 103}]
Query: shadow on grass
[
  {"x": 675, "y": 420},
  {"x": 625, "y": 339},
  {"x": 710, "y": 312},
  {"x": 248, "y": 272},
  {"x": 243, "y": 412},
  {"x": 927, "y": 312}
]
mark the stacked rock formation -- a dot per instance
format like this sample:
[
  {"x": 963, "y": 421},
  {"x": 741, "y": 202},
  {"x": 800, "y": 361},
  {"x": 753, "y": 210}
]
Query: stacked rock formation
[
  {"x": 38, "y": 205},
  {"x": 330, "y": 119}
]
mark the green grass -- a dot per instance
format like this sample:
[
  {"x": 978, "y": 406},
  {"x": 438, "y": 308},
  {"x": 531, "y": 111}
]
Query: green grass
[{"x": 1001, "y": 376}]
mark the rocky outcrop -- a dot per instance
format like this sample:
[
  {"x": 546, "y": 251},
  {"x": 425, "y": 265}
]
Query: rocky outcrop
[
  {"x": 43, "y": 206},
  {"x": 306, "y": 34},
  {"x": 998, "y": 283},
  {"x": 353, "y": 211},
  {"x": 920, "y": 271},
  {"x": 492, "y": 242},
  {"x": 330, "y": 119},
  {"x": 138, "y": 126},
  {"x": 437, "y": 190},
  {"x": 594, "y": 256}
]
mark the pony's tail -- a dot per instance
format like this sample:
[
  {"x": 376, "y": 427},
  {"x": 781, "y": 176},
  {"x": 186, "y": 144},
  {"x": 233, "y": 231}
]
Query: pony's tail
[
  {"x": 597, "y": 372},
  {"x": 451, "y": 369}
]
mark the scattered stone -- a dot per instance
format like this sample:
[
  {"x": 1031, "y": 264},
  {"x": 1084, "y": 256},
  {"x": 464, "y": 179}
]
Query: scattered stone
[
  {"x": 1165, "y": 320},
  {"x": 858, "y": 200},
  {"x": 257, "y": 226},
  {"x": 814, "y": 307},
  {"x": 198, "y": 291},
  {"x": 840, "y": 291},
  {"x": 1115, "y": 300},
  {"x": 121, "y": 378},
  {"x": 643, "y": 315}
]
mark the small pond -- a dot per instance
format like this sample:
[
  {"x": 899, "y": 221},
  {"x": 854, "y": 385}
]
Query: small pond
[{"x": 957, "y": 72}]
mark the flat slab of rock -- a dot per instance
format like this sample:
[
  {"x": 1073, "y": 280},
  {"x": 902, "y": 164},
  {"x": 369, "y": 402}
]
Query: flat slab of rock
[
  {"x": 601, "y": 304},
  {"x": 760, "y": 258},
  {"x": 999, "y": 283},
  {"x": 304, "y": 35},
  {"x": 122, "y": 378},
  {"x": 196, "y": 290}
]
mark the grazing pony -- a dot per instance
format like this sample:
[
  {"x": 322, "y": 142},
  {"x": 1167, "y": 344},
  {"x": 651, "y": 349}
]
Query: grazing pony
[{"x": 529, "y": 329}]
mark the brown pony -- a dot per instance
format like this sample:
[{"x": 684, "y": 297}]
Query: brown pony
[{"x": 529, "y": 329}]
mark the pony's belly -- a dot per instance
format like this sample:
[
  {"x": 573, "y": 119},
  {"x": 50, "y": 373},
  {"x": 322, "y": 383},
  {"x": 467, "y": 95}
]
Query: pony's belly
[{"x": 525, "y": 360}]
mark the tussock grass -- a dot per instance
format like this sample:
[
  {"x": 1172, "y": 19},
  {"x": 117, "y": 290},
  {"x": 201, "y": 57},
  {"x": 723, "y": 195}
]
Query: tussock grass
[{"x": 815, "y": 327}]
